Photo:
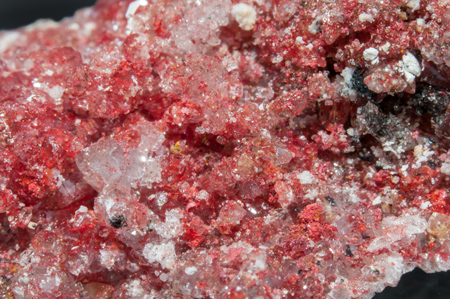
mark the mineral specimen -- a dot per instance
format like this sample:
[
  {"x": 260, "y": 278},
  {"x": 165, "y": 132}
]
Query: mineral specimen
[{"x": 225, "y": 149}]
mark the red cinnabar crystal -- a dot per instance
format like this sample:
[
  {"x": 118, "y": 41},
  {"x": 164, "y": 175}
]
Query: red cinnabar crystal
[{"x": 225, "y": 149}]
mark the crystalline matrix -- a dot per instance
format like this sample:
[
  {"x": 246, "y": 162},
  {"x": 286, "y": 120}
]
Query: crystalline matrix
[{"x": 225, "y": 149}]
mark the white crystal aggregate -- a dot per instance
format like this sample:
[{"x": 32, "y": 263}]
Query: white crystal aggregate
[
  {"x": 411, "y": 67},
  {"x": 50, "y": 282},
  {"x": 371, "y": 54},
  {"x": 135, "y": 289},
  {"x": 108, "y": 257},
  {"x": 201, "y": 24},
  {"x": 315, "y": 25},
  {"x": 105, "y": 165},
  {"x": 163, "y": 253},
  {"x": 345, "y": 84},
  {"x": 413, "y": 4},
  {"x": 306, "y": 177},
  {"x": 8, "y": 39},
  {"x": 365, "y": 17},
  {"x": 396, "y": 228},
  {"x": 445, "y": 168},
  {"x": 285, "y": 194},
  {"x": 245, "y": 15},
  {"x": 190, "y": 270},
  {"x": 171, "y": 228},
  {"x": 386, "y": 47}
]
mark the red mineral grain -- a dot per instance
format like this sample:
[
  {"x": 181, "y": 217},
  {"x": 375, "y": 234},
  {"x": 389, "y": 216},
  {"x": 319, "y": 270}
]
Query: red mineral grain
[{"x": 225, "y": 149}]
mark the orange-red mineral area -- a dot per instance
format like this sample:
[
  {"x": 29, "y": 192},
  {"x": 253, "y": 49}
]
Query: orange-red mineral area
[{"x": 225, "y": 149}]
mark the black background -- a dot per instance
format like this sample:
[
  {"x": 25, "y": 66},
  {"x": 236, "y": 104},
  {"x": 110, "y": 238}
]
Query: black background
[{"x": 16, "y": 13}]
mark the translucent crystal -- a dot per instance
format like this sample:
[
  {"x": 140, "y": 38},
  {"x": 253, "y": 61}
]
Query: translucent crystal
[
  {"x": 225, "y": 149},
  {"x": 164, "y": 254}
]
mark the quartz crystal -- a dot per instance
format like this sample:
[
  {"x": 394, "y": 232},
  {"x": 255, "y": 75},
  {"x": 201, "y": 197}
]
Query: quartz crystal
[{"x": 225, "y": 149}]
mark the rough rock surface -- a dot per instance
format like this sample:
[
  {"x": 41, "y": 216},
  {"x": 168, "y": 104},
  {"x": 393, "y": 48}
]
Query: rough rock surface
[{"x": 225, "y": 149}]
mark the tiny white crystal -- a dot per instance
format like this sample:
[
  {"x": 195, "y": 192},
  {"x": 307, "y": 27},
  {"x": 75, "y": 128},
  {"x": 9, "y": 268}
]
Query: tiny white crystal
[
  {"x": 190, "y": 270},
  {"x": 108, "y": 258},
  {"x": 245, "y": 15},
  {"x": 370, "y": 54},
  {"x": 133, "y": 7},
  {"x": 425, "y": 205},
  {"x": 409, "y": 77},
  {"x": 365, "y": 17},
  {"x": 299, "y": 40},
  {"x": 420, "y": 21},
  {"x": 315, "y": 25},
  {"x": 386, "y": 47},
  {"x": 161, "y": 198},
  {"x": 445, "y": 168},
  {"x": 413, "y": 4},
  {"x": 347, "y": 74},
  {"x": 82, "y": 209},
  {"x": 202, "y": 195},
  {"x": 135, "y": 289},
  {"x": 306, "y": 177},
  {"x": 164, "y": 277},
  {"x": 411, "y": 65},
  {"x": 56, "y": 92},
  {"x": 163, "y": 254},
  {"x": 172, "y": 226}
]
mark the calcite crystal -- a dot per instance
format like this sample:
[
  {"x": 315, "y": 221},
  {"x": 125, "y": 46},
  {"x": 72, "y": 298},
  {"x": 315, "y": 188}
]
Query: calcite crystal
[{"x": 225, "y": 149}]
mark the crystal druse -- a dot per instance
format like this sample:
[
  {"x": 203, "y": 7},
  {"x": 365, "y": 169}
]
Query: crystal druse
[{"x": 225, "y": 149}]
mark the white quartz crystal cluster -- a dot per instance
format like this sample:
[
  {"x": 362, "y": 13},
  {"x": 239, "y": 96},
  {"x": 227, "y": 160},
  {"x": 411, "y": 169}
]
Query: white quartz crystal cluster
[{"x": 117, "y": 170}]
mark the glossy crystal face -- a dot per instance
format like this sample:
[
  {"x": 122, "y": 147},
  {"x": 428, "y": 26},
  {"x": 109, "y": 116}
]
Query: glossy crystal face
[{"x": 224, "y": 149}]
